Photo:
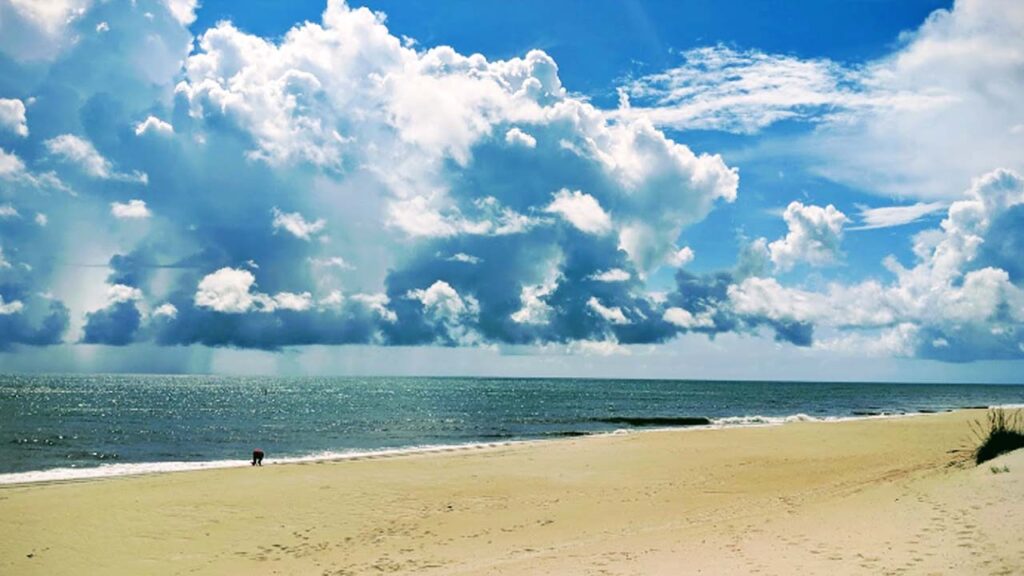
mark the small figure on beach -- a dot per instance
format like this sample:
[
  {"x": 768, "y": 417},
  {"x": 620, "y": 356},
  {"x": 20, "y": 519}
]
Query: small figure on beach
[{"x": 257, "y": 457}]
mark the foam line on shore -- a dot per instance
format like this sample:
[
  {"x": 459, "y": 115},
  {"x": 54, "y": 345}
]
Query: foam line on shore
[{"x": 141, "y": 468}]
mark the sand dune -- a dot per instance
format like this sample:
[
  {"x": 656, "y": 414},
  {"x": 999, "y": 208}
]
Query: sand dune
[{"x": 886, "y": 496}]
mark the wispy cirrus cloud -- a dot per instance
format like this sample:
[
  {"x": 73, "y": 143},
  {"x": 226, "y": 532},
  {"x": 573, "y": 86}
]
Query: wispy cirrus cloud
[
  {"x": 744, "y": 91},
  {"x": 892, "y": 216},
  {"x": 949, "y": 91},
  {"x": 81, "y": 152},
  {"x": 13, "y": 170}
]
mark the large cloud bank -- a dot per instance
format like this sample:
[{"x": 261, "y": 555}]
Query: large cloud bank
[{"x": 341, "y": 186}]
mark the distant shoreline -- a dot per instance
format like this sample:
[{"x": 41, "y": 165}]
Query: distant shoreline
[{"x": 513, "y": 378}]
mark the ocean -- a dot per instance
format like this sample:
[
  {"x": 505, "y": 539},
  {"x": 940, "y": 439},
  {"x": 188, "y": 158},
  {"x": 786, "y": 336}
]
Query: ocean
[{"x": 63, "y": 427}]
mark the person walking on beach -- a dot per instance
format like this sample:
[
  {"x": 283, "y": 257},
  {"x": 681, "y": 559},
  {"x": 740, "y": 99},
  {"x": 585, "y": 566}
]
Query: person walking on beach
[{"x": 257, "y": 457}]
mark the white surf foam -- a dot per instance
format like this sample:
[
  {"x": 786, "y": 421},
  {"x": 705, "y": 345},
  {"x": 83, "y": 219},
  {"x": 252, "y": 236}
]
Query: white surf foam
[
  {"x": 758, "y": 420},
  {"x": 778, "y": 420},
  {"x": 134, "y": 469}
]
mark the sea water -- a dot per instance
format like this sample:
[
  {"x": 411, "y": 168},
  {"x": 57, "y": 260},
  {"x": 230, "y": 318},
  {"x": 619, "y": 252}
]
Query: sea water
[{"x": 62, "y": 427}]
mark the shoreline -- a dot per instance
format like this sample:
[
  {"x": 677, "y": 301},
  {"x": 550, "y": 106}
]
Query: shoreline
[
  {"x": 119, "y": 470},
  {"x": 867, "y": 496}
]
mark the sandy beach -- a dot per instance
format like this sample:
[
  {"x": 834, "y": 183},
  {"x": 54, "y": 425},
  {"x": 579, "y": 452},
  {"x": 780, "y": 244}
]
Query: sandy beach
[{"x": 875, "y": 496}]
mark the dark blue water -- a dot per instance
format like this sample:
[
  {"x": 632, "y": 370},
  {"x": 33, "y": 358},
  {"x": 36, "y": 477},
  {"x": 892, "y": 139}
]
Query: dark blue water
[{"x": 81, "y": 422}]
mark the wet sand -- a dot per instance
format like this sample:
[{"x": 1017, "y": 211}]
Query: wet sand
[{"x": 875, "y": 496}]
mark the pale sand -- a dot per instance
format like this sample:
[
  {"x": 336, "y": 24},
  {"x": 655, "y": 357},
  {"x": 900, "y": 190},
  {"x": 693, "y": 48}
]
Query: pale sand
[{"x": 861, "y": 497}]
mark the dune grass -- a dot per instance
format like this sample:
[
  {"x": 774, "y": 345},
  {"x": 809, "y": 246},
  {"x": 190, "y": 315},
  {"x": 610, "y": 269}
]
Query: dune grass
[{"x": 1003, "y": 432}]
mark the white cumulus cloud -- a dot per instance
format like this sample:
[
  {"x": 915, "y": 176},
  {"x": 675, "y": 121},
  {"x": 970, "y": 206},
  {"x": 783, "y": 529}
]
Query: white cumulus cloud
[
  {"x": 226, "y": 290},
  {"x": 442, "y": 301},
  {"x": 11, "y": 166},
  {"x": 685, "y": 319},
  {"x": 184, "y": 11},
  {"x": 166, "y": 310},
  {"x": 611, "y": 275},
  {"x": 119, "y": 293},
  {"x": 154, "y": 125},
  {"x": 12, "y": 116},
  {"x": 517, "y": 137},
  {"x": 296, "y": 225},
  {"x": 535, "y": 309},
  {"x": 292, "y": 301},
  {"x": 131, "y": 210},
  {"x": 363, "y": 105},
  {"x": 12, "y": 307},
  {"x": 581, "y": 210},
  {"x": 681, "y": 257},
  {"x": 611, "y": 314},
  {"x": 814, "y": 236},
  {"x": 230, "y": 290},
  {"x": 953, "y": 292},
  {"x": 36, "y": 30},
  {"x": 377, "y": 303}
]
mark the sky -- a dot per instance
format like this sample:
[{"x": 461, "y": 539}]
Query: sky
[{"x": 815, "y": 190}]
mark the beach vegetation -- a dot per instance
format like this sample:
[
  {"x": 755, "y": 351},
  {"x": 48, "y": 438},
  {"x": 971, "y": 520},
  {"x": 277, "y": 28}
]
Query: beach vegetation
[
  {"x": 999, "y": 470},
  {"x": 1002, "y": 432}
]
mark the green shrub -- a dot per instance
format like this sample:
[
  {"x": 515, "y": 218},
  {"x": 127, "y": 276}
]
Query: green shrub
[{"x": 1004, "y": 432}]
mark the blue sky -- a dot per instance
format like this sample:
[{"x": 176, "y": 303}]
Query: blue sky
[{"x": 814, "y": 190}]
